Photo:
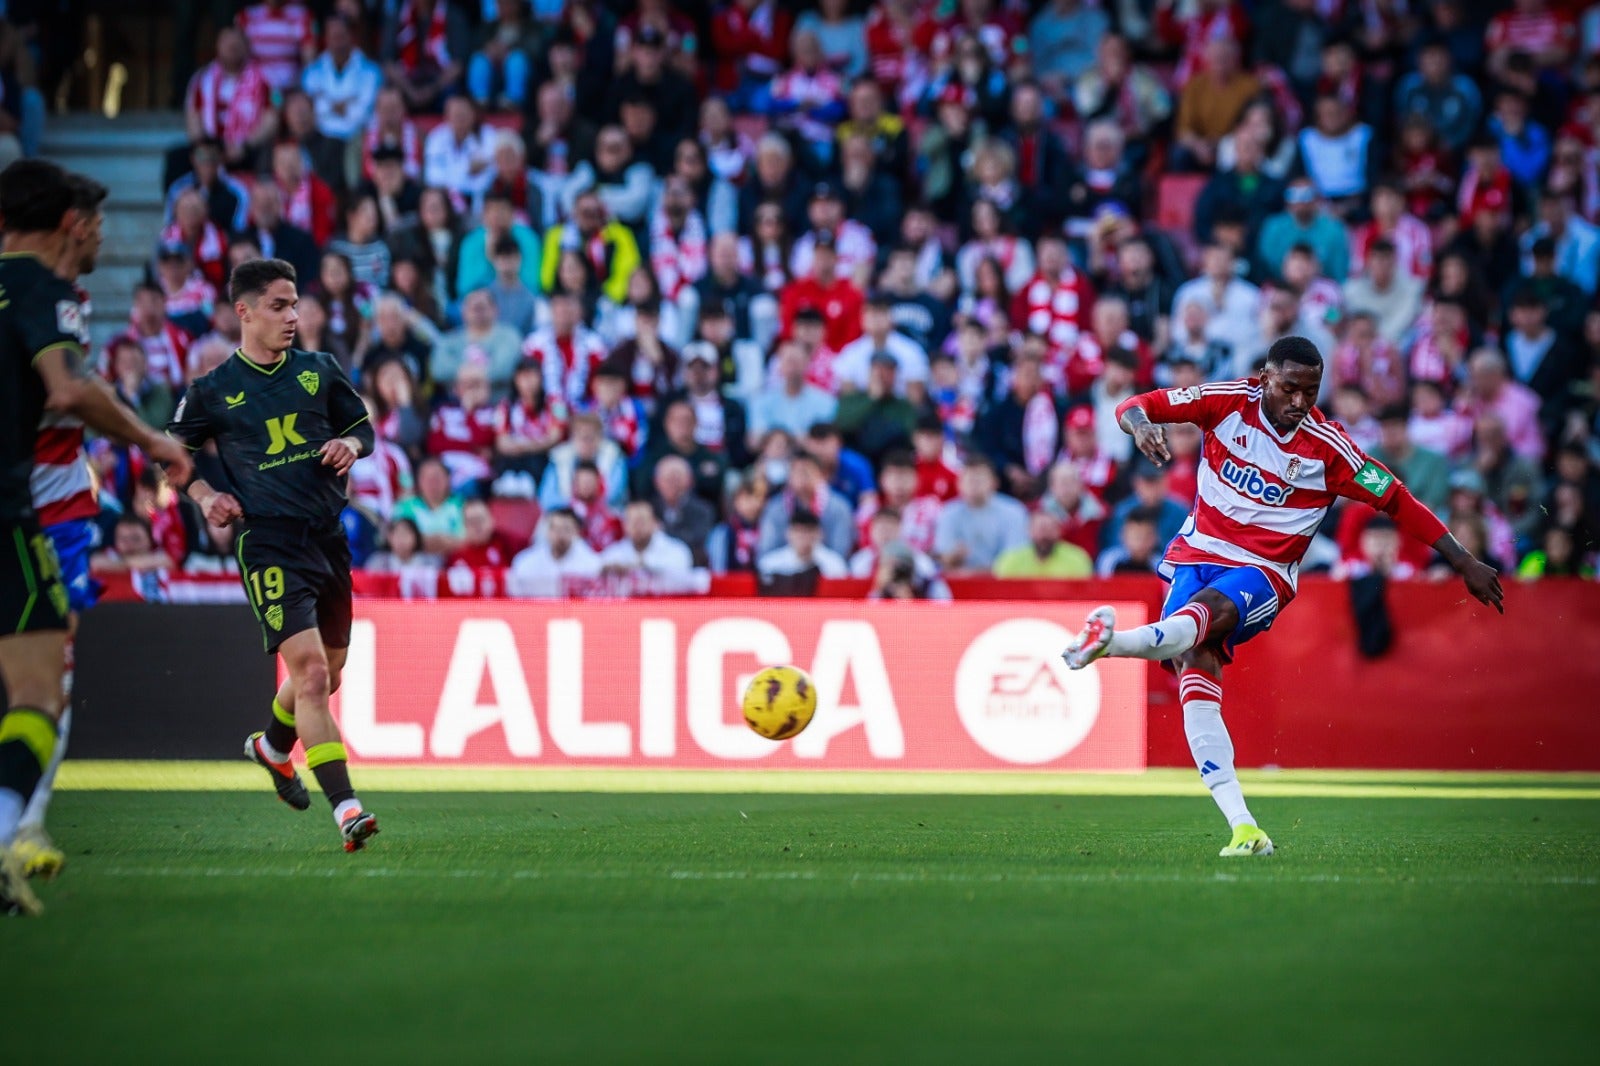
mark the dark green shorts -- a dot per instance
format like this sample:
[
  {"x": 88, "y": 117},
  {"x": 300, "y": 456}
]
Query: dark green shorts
[{"x": 32, "y": 596}]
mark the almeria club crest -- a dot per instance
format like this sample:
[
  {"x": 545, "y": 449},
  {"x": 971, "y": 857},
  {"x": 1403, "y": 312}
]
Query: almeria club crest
[{"x": 1294, "y": 469}]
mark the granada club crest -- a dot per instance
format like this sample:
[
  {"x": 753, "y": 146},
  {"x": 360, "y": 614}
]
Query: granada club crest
[
  {"x": 310, "y": 381},
  {"x": 1294, "y": 469}
]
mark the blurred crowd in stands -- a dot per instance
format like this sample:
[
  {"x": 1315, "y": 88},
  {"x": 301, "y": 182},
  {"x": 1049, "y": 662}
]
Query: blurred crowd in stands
[{"x": 640, "y": 289}]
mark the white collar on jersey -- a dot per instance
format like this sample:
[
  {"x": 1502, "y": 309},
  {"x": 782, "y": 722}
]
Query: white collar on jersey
[{"x": 1266, "y": 422}]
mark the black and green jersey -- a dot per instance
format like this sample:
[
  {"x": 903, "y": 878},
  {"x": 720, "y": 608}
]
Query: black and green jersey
[
  {"x": 269, "y": 423},
  {"x": 38, "y": 313}
]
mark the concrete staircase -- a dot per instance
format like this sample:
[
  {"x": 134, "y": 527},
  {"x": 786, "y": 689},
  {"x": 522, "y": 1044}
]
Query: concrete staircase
[{"x": 126, "y": 154}]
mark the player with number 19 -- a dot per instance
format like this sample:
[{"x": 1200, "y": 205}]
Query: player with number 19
[
  {"x": 288, "y": 425},
  {"x": 1272, "y": 467}
]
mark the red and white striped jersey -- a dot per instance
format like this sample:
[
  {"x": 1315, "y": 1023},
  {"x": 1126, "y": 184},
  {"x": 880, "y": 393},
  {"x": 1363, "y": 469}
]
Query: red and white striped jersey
[
  {"x": 380, "y": 479},
  {"x": 60, "y": 482},
  {"x": 278, "y": 37},
  {"x": 1262, "y": 494}
]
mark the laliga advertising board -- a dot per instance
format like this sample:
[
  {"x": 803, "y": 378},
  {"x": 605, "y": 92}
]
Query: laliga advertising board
[{"x": 657, "y": 683}]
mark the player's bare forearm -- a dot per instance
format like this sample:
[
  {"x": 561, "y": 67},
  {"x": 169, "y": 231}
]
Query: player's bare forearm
[
  {"x": 1482, "y": 580},
  {"x": 1148, "y": 437},
  {"x": 219, "y": 508}
]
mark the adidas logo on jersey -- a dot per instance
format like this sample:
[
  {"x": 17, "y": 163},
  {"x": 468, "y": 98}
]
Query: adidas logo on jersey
[{"x": 1250, "y": 482}]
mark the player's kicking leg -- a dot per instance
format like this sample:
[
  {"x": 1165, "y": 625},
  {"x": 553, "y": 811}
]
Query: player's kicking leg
[
  {"x": 1198, "y": 635},
  {"x": 312, "y": 681},
  {"x": 31, "y": 666}
]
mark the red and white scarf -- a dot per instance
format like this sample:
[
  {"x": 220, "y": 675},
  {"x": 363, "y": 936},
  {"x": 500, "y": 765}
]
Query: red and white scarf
[
  {"x": 231, "y": 118},
  {"x": 678, "y": 259},
  {"x": 414, "y": 45},
  {"x": 1040, "y": 433}
]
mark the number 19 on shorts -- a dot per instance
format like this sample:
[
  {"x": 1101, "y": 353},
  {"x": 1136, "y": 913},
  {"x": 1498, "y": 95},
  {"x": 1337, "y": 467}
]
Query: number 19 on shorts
[{"x": 266, "y": 585}]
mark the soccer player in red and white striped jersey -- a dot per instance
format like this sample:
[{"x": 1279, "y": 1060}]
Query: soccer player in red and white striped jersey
[{"x": 1272, "y": 466}]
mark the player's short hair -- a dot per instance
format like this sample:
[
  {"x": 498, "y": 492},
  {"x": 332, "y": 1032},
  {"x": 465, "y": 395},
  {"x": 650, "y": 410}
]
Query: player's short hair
[
  {"x": 87, "y": 194},
  {"x": 35, "y": 196},
  {"x": 253, "y": 277},
  {"x": 1297, "y": 350}
]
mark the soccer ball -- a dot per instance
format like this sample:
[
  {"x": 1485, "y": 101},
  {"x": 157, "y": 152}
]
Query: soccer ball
[{"x": 779, "y": 702}]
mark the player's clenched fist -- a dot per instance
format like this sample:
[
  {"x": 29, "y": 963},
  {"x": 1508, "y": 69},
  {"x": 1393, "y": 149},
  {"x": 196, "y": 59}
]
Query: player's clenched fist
[
  {"x": 1152, "y": 441},
  {"x": 340, "y": 454},
  {"x": 221, "y": 509}
]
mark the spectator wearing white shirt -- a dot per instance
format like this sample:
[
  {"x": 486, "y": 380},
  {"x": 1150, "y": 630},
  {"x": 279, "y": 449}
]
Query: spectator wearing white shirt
[
  {"x": 790, "y": 402},
  {"x": 1337, "y": 153},
  {"x": 343, "y": 83},
  {"x": 558, "y": 553},
  {"x": 459, "y": 154},
  {"x": 878, "y": 335},
  {"x": 803, "y": 551},
  {"x": 1232, "y": 305},
  {"x": 644, "y": 550}
]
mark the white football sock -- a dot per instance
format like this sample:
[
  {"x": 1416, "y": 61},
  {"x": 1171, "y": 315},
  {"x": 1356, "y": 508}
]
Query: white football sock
[
  {"x": 1165, "y": 639},
  {"x": 271, "y": 753},
  {"x": 33, "y": 816},
  {"x": 345, "y": 808},
  {"x": 1210, "y": 744}
]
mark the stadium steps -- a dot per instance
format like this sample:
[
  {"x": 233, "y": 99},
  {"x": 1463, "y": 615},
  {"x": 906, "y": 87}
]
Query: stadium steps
[{"x": 126, "y": 154}]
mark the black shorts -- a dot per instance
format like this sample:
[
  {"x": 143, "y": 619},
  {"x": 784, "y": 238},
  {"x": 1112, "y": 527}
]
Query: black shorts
[
  {"x": 33, "y": 598},
  {"x": 296, "y": 580}
]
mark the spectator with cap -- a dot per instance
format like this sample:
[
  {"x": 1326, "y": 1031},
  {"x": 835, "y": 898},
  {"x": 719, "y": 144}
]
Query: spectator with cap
[
  {"x": 803, "y": 550},
  {"x": 788, "y": 401},
  {"x": 876, "y": 419},
  {"x": 684, "y": 516},
  {"x": 721, "y": 421},
  {"x": 980, "y": 524},
  {"x": 1150, "y": 493},
  {"x": 1391, "y": 296},
  {"x": 1304, "y": 221},
  {"x": 807, "y": 490},
  {"x": 558, "y": 552},
  {"x": 1046, "y": 555},
  {"x": 645, "y": 550},
  {"x": 609, "y": 246}
]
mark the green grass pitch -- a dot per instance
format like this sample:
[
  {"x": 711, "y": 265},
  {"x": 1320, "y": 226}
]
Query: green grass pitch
[{"x": 815, "y": 927}]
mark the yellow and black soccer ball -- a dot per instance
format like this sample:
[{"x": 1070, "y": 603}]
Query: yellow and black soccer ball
[{"x": 779, "y": 702}]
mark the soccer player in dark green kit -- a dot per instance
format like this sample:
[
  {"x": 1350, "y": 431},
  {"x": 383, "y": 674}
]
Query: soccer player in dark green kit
[
  {"x": 41, "y": 368},
  {"x": 288, "y": 425}
]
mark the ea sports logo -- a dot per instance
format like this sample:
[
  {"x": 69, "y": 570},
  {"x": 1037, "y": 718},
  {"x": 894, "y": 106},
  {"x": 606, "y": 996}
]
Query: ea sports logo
[{"x": 1018, "y": 700}]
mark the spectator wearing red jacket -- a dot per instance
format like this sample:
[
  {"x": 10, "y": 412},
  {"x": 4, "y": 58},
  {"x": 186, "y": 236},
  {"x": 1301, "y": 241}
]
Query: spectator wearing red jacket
[
  {"x": 836, "y": 299},
  {"x": 751, "y": 39}
]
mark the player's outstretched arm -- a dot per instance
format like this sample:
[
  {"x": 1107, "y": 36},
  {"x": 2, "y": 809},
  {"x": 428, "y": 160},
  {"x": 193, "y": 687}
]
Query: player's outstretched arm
[
  {"x": 1482, "y": 580},
  {"x": 1148, "y": 437},
  {"x": 1409, "y": 514},
  {"x": 71, "y": 389}
]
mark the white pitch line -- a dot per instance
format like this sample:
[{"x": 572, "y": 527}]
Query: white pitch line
[{"x": 839, "y": 876}]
